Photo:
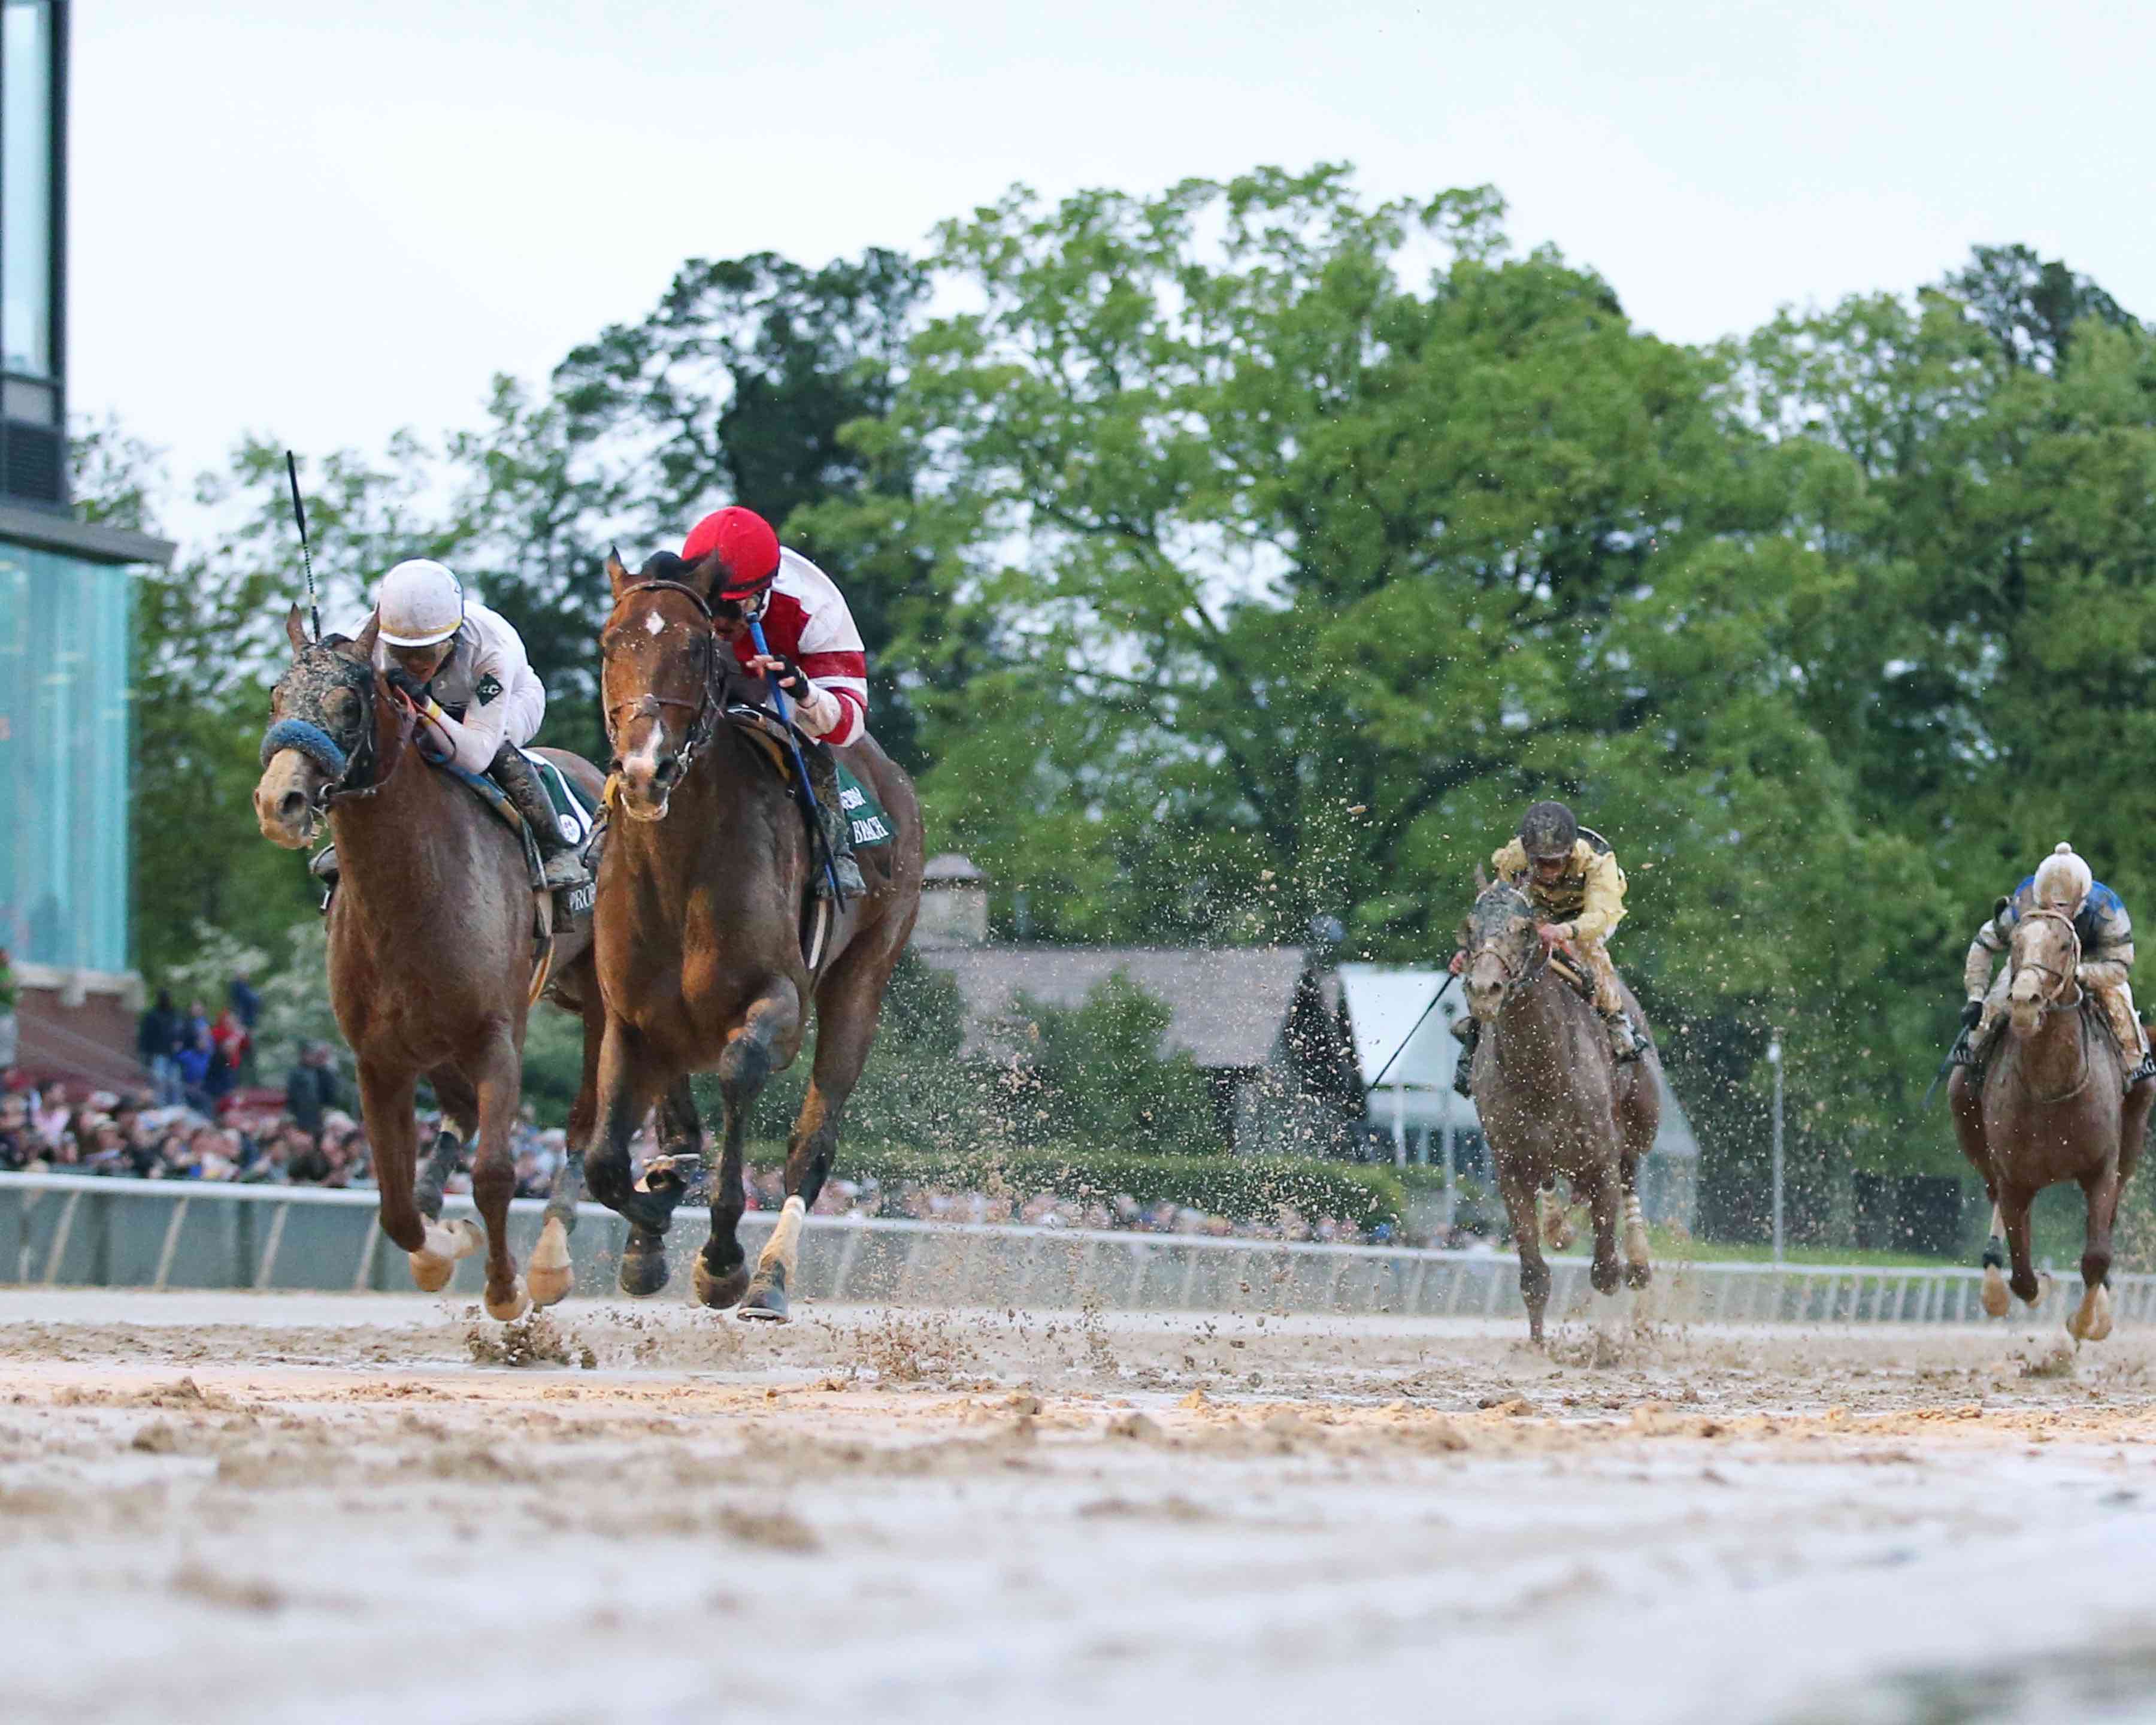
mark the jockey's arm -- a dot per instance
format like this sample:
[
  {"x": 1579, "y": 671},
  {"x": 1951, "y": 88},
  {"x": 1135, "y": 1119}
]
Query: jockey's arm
[
  {"x": 2107, "y": 960},
  {"x": 1976, "y": 967},
  {"x": 1605, "y": 899},
  {"x": 511, "y": 716}
]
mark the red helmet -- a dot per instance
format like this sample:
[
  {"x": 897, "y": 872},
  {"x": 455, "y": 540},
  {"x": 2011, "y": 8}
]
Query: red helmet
[{"x": 747, "y": 549}]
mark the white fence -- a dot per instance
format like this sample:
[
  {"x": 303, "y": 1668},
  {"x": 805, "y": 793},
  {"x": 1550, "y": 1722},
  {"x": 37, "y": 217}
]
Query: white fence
[{"x": 68, "y": 1230}]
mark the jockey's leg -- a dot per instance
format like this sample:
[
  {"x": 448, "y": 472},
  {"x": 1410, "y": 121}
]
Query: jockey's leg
[
  {"x": 1626, "y": 1041},
  {"x": 2114, "y": 998},
  {"x": 838, "y": 829},
  {"x": 1469, "y": 1031},
  {"x": 519, "y": 779},
  {"x": 1995, "y": 1004}
]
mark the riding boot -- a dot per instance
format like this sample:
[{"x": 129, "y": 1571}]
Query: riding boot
[
  {"x": 837, "y": 827},
  {"x": 323, "y": 866},
  {"x": 1469, "y": 1030},
  {"x": 1625, "y": 1042},
  {"x": 519, "y": 779}
]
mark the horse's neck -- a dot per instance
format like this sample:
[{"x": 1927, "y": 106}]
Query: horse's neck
[
  {"x": 2051, "y": 1058},
  {"x": 730, "y": 809},
  {"x": 1534, "y": 1025},
  {"x": 384, "y": 841}
]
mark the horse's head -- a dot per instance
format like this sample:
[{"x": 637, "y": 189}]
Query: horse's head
[
  {"x": 662, "y": 674},
  {"x": 322, "y": 716},
  {"x": 2046, "y": 953},
  {"x": 1499, "y": 939}
]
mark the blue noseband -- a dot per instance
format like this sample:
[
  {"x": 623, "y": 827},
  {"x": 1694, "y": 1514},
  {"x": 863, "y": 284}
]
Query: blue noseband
[{"x": 316, "y": 744}]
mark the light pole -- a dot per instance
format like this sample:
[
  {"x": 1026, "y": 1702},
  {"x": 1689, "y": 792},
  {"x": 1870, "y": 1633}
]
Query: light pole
[{"x": 1775, "y": 1059}]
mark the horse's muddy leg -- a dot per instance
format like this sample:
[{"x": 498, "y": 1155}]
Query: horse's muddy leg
[
  {"x": 499, "y": 1071},
  {"x": 2014, "y": 1201},
  {"x": 385, "y": 1105},
  {"x": 460, "y": 1123},
  {"x": 767, "y": 1039},
  {"x": 2092, "y": 1320},
  {"x": 551, "y": 1272},
  {"x": 1606, "y": 1273},
  {"x": 1996, "y": 1299},
  {"x": 1639, "y": 1266},
  {"x": 848, "y": 1006},
  {"x": 626, "y": 1090},
  {"x": 1519, "y": 1197}
]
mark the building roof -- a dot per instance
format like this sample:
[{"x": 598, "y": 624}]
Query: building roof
[
  {"x": 56, "y": 530},
  {"x": 1229, "y": 1004}
]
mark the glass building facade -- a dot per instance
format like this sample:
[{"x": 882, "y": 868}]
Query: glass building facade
[
  {"x": 63, "y": 760},
  {"x": 66, "y": 586}
]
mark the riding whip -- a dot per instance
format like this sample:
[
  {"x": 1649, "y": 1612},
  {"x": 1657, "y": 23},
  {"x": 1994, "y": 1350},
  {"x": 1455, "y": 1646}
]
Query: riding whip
[
  {"x": 800, "y": 764},
  {"x": 1946, "y": 1066},
  {"x": 307, "y": 551},
  {"x": 1410, "y": 1036}
]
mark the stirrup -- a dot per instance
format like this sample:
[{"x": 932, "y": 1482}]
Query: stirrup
[{"x": 565, "y": 869}]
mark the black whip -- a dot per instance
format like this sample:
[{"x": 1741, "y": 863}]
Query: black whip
[{"x": 307, "y": 550}]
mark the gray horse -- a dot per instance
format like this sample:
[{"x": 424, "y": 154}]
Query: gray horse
[{"x": 1553, "y": 1100}]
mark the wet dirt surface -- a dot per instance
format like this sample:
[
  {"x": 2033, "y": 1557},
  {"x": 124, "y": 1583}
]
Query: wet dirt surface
[{"x": 239, "y": 1507}]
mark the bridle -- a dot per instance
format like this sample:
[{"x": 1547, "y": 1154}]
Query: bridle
[
  {"x": 1517, "y": 974},
  {"x": 354, "y": 773},
  {"x": 2050, "y": 1000},
  {"x": 705, "y": 709}
]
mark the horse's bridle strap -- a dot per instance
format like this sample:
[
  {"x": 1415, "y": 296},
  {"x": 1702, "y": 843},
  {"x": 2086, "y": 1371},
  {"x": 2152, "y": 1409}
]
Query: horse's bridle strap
[{"x": 707, "y": 704}]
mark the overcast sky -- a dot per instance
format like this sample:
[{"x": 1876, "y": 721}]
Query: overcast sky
[{"x": 323, "y": 224}]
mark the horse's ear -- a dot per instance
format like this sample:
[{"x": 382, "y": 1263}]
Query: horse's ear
[
  {"x": 295, "y": 630},
  {"x": 617, "y": 571},
  {"x": 704, "y": 574},
  {"x": 363, "y": 650},
  {"x": 1482, "y": 881},
  {"x": 2000, "y": 909}
]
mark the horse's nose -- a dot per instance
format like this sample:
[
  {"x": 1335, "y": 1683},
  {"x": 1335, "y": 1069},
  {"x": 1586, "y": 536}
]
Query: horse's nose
[{"x": 292, "y": 808}]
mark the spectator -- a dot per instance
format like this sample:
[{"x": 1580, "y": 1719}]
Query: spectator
[
  {"x": 49, "y": 1114},
  {"x": 18, "y": 1140},
  {"x": 156, "y": 1041},
  {"x": 197, "y": 1019},
  {"x": 192, "y": 1059},
  {"x": 9, "y": 1028},
  {"x": 311, "y": 1089},
  {"x": 245, "y": 1005},
  {"x": 274, "y": 1165},
  {"x": 310, "y": 1165},
  {"x": 233, "y": 1043}
]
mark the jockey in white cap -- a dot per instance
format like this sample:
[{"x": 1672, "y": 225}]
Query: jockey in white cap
[
  {"x": 2063, "y": 881},
  {"x": 463, "y": 667}
]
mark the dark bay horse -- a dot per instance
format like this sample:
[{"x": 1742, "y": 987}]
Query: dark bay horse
[
  {"x": 699, "y": 929},
  {"x": 432, "y": 953},
  {"x": 1553, "y": 1099},
  {"x": 2048, "y": 1108}
]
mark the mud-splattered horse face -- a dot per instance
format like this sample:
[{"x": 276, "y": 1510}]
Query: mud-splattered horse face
[
  {"x": 663, "y": 673},
  {"x": 1499, "y": 939},
  {"x": 2047, "y": 955},
  {"x": 322, "y": 714}
]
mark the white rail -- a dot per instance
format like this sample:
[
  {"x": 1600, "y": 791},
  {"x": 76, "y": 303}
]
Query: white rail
[{"x": 62, "y": 1230}]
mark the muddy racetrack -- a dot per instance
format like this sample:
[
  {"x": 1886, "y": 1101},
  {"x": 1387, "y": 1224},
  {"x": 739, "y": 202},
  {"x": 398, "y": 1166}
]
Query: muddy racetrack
[{"x": 237, "y": 1507}]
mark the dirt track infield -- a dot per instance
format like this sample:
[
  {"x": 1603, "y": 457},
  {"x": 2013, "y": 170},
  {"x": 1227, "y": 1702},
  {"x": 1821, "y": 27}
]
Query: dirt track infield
[{"x": 239, "y": 1507}]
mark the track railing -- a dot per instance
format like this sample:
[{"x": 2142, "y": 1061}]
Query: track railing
[{"x": 72, "y": 1230}]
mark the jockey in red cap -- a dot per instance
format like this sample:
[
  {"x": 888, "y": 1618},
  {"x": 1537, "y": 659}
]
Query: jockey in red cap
[{"x": 815, "y": 651}]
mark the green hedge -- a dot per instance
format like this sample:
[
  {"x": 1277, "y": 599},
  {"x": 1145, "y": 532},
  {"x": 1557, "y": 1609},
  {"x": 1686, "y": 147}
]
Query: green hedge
[{"x": 1240, "y": 1187}]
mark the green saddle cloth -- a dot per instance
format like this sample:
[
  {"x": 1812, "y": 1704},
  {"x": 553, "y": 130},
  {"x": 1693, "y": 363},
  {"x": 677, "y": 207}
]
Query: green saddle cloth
[{"x": 872, "y": 821}]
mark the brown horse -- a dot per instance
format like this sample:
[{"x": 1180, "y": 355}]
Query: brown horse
[
  {"x": 699, "y": 928},
  {"x": 1553, "y": 1099},
  {"x": 432, "y": 951},
  {"x": 2048, "y": 1108}
]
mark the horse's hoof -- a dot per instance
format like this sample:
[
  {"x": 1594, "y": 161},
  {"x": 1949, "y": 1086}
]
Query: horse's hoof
[
  {"x": 1638, "y": 1275},
  {"x": 766, "y": 1301},
  {"x": 431, "y": 1274},
  {"x": 2091, "y": 1320},
  {"x": 719, "y": 1292},
  {"x": 643, "y": 1269},
  {"x": 1605, "y": 1277},
  {"x": 1996, "y": 1296},
  {"x": 515, "y": 1307},
  {"x": 549, "y": 1272}
]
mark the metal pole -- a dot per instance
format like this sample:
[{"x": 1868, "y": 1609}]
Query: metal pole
[
  {"x": 1775, "y": 1059},
  {"x": 1399, "y": 1123}
]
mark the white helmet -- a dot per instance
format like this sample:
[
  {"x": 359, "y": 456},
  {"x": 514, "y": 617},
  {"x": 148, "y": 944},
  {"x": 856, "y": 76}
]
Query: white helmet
[
  {"x": 422, "y": 602},
  {"x": 2063, "y": 881}
]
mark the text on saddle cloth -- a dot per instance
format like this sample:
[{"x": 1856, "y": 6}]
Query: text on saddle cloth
[{"x": 872, "y": 822}]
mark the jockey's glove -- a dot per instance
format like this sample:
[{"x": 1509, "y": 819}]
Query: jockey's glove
[
  {"x": 1971, "y": 1012},
  {"x": 406, "y": 684},
  {"x": 790, "y": 677}
]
